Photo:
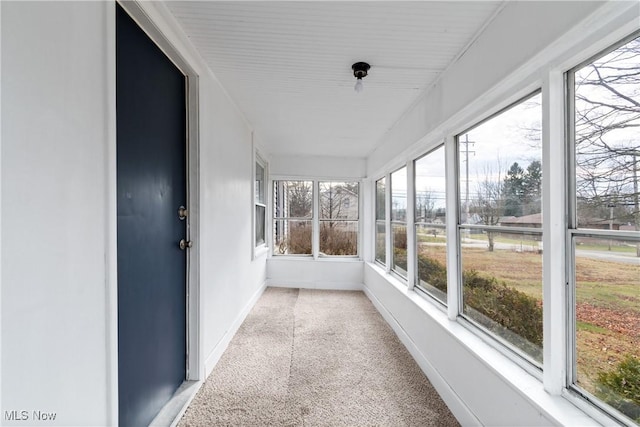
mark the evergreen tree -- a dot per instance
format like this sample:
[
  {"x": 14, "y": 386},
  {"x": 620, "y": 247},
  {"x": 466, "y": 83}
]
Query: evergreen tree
[{"x": 514, "y": 190}]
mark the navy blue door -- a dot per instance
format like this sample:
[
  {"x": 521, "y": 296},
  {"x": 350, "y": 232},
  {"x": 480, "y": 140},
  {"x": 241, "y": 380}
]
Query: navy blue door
[{"x": 151, "y": 174}]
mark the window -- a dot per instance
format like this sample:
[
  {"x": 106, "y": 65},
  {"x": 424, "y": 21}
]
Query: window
[
  {"x": 292, "y": 217},
  {"x": 501, "y": 226},
  {"x": 339, "y": 213},
  {"x": 430, "y": 220},
  {"x": 604, "y": 228},
  {"x": 260, "y": 204},
  {"x": 399, "y": 222},
  {"x": 381, "y": 231},
  {"x": 334, "y": 231}
]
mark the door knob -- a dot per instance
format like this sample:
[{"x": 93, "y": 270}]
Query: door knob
[
  {"x": 184, "y": 244},
  {"x": 182, "y": 213}
]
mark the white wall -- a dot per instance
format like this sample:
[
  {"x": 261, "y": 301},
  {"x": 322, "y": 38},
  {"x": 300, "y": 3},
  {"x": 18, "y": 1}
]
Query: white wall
[
  {"x": 230, "y": 279},
  {"x": 318, "y": 166},
  {"x": 315, "y": 274},
  {"x": 58, "y": 188},
  {"x": 54, "y": 211}
]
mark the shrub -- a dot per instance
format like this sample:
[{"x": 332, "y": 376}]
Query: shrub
[
  {"x": 337, "y": 241},
  {"x": 506, "y": 306},
  {"x": 620, "y": 387},
  {"x": 473, "y": 279},
  {"x": 298, "y": 241},
  {"x": 432, "y": 272},
  {"x": 381, "y": 248},
  {"x": 400, "y": 257},
  {"x": 400, "y": 238}
]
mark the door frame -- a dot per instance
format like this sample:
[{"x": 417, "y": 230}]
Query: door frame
[{"x": 141, "y": 13}]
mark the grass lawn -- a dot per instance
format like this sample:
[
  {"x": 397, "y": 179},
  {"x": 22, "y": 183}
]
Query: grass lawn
[
  {"x": 430, "y": 238},
  {"x": 520, "y": 270},
  {"x": 614, "y": 248},
  {"x": 526, "y": 240}
]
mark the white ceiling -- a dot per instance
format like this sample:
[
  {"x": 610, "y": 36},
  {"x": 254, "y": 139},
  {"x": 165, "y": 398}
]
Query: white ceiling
[{"x": 287, "y": 65}]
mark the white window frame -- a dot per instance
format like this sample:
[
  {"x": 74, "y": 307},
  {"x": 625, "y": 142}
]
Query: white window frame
[
  {"x": 384, "y": 221},
  {"x": 572, "y": 232},
  {"x": 317, "y": 253},
  {"x": 414, "y": 257},
  {"x": 518, "y": 355},
  {"x": 258, "y": 250},
  {"x": 312, "y": 219},
  {"x": 408, "y": 216},
  {"x": 315, "y": 219}
]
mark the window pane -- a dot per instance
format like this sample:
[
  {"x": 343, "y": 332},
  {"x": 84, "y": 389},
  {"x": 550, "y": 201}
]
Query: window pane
[
  {"x": 260, "y": 222},
  {"x": 430, "y": 188},
  {"x": 399, "y": 243},
  {"x": 380, "y": 199},
  {"x": 607, "y": 142},
  {"x": 432, "y": 260},
  {"x": 293, "y": 199},
  {"x": 339, "y": 200},
  {"x": 399, "y": 195},
  {"x": 339, "y": 237},
  {"x": 500, "y": 166},
  {"x": 502, "y": 287},
  {"x": 292, "y": 237},
  {"x": 381, "y": 247},
  {"x": 259, "y": 187},
  {"x": 608, "y": 321}
]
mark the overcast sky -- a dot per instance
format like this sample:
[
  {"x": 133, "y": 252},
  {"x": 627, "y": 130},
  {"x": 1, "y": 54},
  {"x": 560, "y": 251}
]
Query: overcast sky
[{"x": 497, "y": 143}]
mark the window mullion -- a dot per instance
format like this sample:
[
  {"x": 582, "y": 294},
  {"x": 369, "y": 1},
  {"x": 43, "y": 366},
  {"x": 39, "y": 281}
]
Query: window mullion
[
  {"x": 453, "y": 277},
  {"x": 315, "y": 243},
  {"x": 387, "y": 223},
  {"x": 410, "y": 227},
  {"x": 554, "y": 161}
]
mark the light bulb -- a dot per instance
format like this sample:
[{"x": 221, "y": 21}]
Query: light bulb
[{"x": 359, "y": 86}]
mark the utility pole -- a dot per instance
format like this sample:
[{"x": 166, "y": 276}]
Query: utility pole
[
  {"x": 466, "y": 143},
  {"x": 610, "y": 205},
  {"x": 636, "y": 205}
]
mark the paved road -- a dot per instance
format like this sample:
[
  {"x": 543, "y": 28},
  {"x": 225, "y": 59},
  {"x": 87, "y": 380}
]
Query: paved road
[
  {"x": 625, "y": 258},
  {"x": 610, "y": 256}
]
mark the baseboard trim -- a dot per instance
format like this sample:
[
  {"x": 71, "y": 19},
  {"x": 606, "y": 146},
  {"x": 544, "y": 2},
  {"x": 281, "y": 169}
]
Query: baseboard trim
[
  {"x": 458, "y": 408},
  {"x": 215, "y": 355},
  {"x": 171, "y": 413},
  {"x": 329, "y": 286}
]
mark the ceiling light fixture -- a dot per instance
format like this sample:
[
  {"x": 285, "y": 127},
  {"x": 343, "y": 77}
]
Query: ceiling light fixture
[{"x": 360, "y": 70}]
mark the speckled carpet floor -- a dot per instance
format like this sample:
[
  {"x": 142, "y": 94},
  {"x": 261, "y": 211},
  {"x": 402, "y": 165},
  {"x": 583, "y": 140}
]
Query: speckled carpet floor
[{"x": 316, "y": 358}]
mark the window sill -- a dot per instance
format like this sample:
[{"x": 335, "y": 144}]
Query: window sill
[
  {"x": 309, "y": 258},
  {"x": 260, "y": 251}
]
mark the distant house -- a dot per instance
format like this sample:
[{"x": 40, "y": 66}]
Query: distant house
[
  {"x": 600, "y": 223},
  {"x": 529, "y": 221},
  {"x": 535, "y": 221}
]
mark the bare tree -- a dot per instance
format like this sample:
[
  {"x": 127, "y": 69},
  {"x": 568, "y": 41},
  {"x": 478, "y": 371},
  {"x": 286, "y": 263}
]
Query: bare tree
[
  {"x": 336, "y": 200},
  {"x": 425, "y": 203},
  {"x": 338, "y": 211},
  {"x": 292, "y": 199},
  {"x": 607, "y": 99},
  {"x": 300, "y": 198},
  {"x": 489, "y": 203}
]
